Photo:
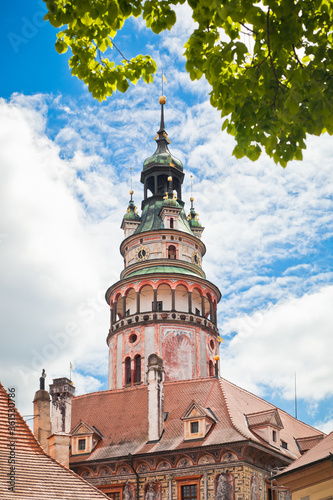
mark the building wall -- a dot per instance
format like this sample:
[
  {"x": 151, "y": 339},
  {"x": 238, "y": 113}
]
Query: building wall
[
  {"x": 315, "y": 482},
  {"x": 186, "y": 351},
  {"x": 244, "y": 482}
]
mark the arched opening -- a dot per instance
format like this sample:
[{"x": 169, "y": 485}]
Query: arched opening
[
  {"x": 137, "y": 369},
  {"x": 118, "y": 307},
  {"x": 172, "y": 252},
  {"x": 181, "y": 298},
  {"x": 162, "y": 184},
  {"x": 146, "y": 298},
  {"x": 171, "y": 223},
  {"x": 164, "y": 298},
  {"x": 211, "y": 368},
  {"x": 206, "y": 308},
  {"x": 150, "y": 185},
  {"x": 130, "y": 302},
  {"x": 196, "y": 302},
  {"x": 128, "y": 375}
]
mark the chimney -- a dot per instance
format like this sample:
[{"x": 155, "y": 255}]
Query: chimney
[
  {"x": 155, "y": 380},
  {"x": 42, "y": 421},
  {"x": 62, "y": 391}
]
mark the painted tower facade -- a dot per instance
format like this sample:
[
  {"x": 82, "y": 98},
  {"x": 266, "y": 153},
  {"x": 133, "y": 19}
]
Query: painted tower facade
[{"x": 162, "y": 303}]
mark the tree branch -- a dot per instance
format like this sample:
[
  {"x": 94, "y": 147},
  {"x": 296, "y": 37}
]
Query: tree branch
[{"x": 296, "y": 56}]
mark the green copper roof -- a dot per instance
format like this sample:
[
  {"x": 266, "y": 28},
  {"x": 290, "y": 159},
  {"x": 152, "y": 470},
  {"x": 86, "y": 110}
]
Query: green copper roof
[
  {"x": 162, "y": 156},
  {"x": 151, "y": 220},
  {"x": 131, "y": 212},
  {"x": 162, "y": 269}
]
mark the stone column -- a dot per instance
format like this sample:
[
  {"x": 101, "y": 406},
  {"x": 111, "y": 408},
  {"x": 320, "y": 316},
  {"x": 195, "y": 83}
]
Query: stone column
[
  {"x": 190, "y": 302},
  {"x": 203, "y": 306},
  {"x": 173, "y": 300}
]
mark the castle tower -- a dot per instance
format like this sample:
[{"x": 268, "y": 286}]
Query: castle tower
[{"x": 162, "y": 303}]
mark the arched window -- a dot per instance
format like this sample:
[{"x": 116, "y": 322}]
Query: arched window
[
  {"x": 171, "y": 252},
  {"x": 211, "y": 369},
  {"x": 137, "y": 375},
  {"x": 128, "y": 377},
  {"x": 171, "y": 223}
]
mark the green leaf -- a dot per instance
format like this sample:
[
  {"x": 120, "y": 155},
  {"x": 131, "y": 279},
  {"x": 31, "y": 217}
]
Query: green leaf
[{"x": 61, "y": 47}]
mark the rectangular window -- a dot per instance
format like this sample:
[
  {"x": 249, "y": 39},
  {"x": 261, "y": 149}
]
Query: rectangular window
[
  {"x": 159, "y": 306},
  {"x": 194, "y": 427},
  {"x": 274, "y": 436},
  {"x": 284, "y": 445},
  {"x": 82, "y": 444},
  {"x": 114, "y": 496},
  {"x": 188, "y": 488},
  {"x": 189, "y": 492}
]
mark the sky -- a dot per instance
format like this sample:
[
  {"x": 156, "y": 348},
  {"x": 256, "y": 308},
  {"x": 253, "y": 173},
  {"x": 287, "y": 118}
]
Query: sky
[{"x": 65, "y": 164}]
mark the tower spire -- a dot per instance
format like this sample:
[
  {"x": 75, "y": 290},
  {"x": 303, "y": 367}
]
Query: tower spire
[{"x": 161, "y": 132}]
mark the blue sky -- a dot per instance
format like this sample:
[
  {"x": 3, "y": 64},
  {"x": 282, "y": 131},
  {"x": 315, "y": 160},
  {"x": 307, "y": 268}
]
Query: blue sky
[{"x": 65, "y": 163}]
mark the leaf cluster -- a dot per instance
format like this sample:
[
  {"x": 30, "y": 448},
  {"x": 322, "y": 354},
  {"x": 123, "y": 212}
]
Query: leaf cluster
[{"x": 272, "y": 90}]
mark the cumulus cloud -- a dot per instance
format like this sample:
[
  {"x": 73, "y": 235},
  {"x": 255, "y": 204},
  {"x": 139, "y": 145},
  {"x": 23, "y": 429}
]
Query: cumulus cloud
[
  {"x": 63, "y": 195},
  {"x": 267, "y": 348}
]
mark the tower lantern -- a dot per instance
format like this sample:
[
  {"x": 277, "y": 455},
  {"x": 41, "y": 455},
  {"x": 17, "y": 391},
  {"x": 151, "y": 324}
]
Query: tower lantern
[{"x": 163, "y": 304}]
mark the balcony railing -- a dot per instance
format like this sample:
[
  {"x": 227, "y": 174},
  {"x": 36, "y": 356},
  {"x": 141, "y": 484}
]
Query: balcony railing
[{"x": 160, "y": 316}]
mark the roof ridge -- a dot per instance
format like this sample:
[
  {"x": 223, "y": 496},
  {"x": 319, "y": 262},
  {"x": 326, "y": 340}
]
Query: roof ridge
[
  {"x": 108, "y": 391},
  {"x": 273, "y": 406},
  {"x": 40, "y": 449},
  {"x": 18, "y": 414},
  {"x": 228, "y": 409}
]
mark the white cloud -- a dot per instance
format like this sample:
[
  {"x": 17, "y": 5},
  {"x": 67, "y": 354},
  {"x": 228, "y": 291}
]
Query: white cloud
[
  {"x": 265, "y": 234},
  {"x": 270, "y": 346}
]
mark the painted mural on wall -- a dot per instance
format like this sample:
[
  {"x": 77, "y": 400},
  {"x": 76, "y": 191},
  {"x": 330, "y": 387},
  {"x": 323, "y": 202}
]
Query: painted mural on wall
[
  {"x": 152, "y": 491},
  {"x": 224, "y": 487},
  {"x": 255, "y": 491},
  {"x": 178, "y": 358}
]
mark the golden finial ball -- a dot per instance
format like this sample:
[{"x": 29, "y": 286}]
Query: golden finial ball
[
  {"x": 191, "y": 199},
  {"x": 131, "y": 191},
  {"x": 216, "y": 358},
  {"x": 162, "y": 99},
  {"x": 169, "y": 178}
]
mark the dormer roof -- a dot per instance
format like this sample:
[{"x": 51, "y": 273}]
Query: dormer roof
[
  {"x": 264, "y": 418},
  {"x": 195, "y": 410}
]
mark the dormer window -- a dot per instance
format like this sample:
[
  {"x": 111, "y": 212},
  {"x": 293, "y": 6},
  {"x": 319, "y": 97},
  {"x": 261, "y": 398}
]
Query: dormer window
[
  {"x": 284, "y": 445},
  {"x": 82, "y": 444},
  {"x": 266, "y": 424},
  {"x": 197, "y": 422},
  {"x": 194, "y": 427},
  {"x": 84, "y": 438}
]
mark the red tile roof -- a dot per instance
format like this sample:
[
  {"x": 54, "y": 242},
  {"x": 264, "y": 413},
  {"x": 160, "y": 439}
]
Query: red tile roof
[
  {"x": 37, "y": 476},
  {"x": 241, "y": 402},
  {"x": 121, "y": 416},
  {"x": 323, "y": 450}
]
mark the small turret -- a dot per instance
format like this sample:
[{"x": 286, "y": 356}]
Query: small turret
[
  {"x": 131, "y": 219},
  {"x": 193, "y": 219},
  {"x": 42, "y": 420}
]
